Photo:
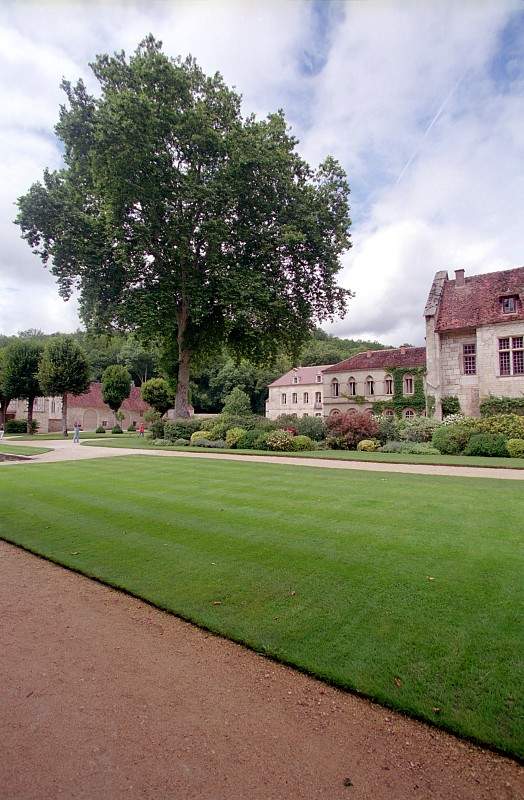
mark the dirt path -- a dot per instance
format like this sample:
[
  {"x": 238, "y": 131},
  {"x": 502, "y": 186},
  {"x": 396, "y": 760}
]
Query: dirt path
[
  {"x": 67, "y": 451},
  {"x": 103, "y": 697}
]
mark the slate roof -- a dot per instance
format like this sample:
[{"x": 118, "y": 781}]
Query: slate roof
[
  {"x": 382, "y": 359},
  {"x": 477, "y": 301},
  {"x": 304, "y": 374},
  {"x": 93, "y": 399}
]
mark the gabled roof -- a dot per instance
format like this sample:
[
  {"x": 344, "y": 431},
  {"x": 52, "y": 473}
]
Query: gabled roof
[
  {"x": 476, "y": 300},
  {"x": 93, "y": 399},
  {"x": 304, "y": 374},
  {"x": 382, "y": 359}
]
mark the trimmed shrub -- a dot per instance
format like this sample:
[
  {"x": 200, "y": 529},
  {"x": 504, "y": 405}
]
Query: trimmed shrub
[
  {"x": 418, "y": 429},
  {"x": 197, "y": 435},
  {"x": 501, "y": 405},
  {"x": 279, "y": 440},
  {"x": 249, "y": 439},
  {"x": 301, "y": 442},
  {"x": 353, "y": 427},
  {"x": 450, "y": 440},
  {"x": 410, "y": 448},
  {"x": 233, "y": 435},
  {"x": 368, "y": 445},
  {"x": 181, "y": 442},
  {"x": 388, "y": 427},
  {"x": 100, "y": 429},
  {"x": 237, "y": 402},
  {"x": 184, "y": 428},
  {"x": 158, "y": 429},
  {"x": 15, "y": 426},
  {"x": 116, "y": 429},
  {"x": 209, "y": 443},
  {"x": 515, "y": 448},
  {"x": 261, "y": 441},
  {"x": 314, "y": 427},
  {"x": 511, "y": 426},
  {"x": 161, "y": 442},
  {"x": 486, "y": 444},
  {"x": 336, "y": 443}
]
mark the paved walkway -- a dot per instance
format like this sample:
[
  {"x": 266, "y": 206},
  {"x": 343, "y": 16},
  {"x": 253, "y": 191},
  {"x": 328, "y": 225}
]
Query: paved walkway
[
  {"x": 65, "y": 450},
  {"x": 104, "y": 696}
]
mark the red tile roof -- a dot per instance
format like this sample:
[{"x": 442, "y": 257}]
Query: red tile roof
[
  {"x": 93, "y": 399},
  {"x": 383, "y": 359},
  {"x": 304, "y": 374},
  {"x": 477, "y": 301}
]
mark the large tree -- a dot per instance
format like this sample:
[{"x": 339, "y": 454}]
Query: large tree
[
  {"x": 182, "y": 221},
  {"x": 22, "y": 359},
  {"x": 116, "y": 384},
  {"x": 63, "y": 369}
]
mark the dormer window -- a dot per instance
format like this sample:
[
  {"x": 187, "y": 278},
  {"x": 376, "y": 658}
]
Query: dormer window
[
  {"x": 295, "y": 378},
  {"x": 509, "y": 304},
  {"x": 319, "y": 378}
]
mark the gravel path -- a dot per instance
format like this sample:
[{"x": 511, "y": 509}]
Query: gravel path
[
  {"x": 106, "y": 697},
  {"x": 65, "y": 450}
]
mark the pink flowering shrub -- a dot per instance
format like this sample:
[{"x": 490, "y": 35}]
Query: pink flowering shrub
[{"x": 352, "y": 427}]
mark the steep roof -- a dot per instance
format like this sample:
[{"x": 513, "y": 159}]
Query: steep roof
[
  {"x": 304, "y": 375},
  {"x": 93, "y": 399},
  {"x": 476, "y": 300},
  {"x": 382, "y": 359}
]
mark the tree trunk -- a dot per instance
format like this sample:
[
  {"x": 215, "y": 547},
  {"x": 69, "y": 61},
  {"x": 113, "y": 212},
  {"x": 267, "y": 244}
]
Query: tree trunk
[
  {"x": 30, "y": 403},
  {"x": 64, "y": 414},
  {"x": 3, "y": 411},
  {"x": 184, "y": 359},
  {"x": 182, "y": 389}
]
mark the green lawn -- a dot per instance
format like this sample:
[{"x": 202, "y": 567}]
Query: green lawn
[
  {"x": 23, "y": 450},
  {"x": 405, "y": 588},
  {"x": 344, "y": 455},
  {"x": 38, "y": 437}
]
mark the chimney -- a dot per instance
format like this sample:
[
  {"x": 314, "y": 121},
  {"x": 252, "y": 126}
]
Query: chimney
[
  {"x": 459, "y": 277},
  {"x": 368, "y": 353}
]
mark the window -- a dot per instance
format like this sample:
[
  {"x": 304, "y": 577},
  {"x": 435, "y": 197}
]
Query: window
[
  {"x": 294, "y": 397},
  {"x": 334, "y": 388},
  {"x": 305, "y": 415},
  {"x": 318, "y": 415},
  {"x": 469, "y": 358},
  {"x": 306, "y": 398},
  {"x": 388, "y": 412},
  {"x": 318, "y": 397},
  {"x": 334, "y": 412},
  {"x": 408, "y": 384},
  {"x": 104, "y": 423},
  {"x": 388, "y": 384},
  {"x": 352, "y": 387},
  {"x": 283, "y": 399},
  {"x": 370, "y": 386},
  {"x": 53, "y": 406},
  {"x": 408, "y": 413},
  {"x": 319, "y": 378},
  {"x": 39, "y": 405},
  {"x": 511, "y": 355},
  {"x": 509, "y": 304}
]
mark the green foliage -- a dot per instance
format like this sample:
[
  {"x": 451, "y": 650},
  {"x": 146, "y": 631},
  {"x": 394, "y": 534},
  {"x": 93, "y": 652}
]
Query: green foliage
[
  {"x": 501, "y": 405},
  {"x": 302, "y": 442},
  {"x": 486, "y": 444},
  {"x": 314, "y": 427},
  {"x": 21, "y": 362},
  {"x": 418, "y": 429},
  {"x": 323, "y": 348},
  {"x": 336, "y": 443},
  {"x": 400, "y": 401},
  {"x": 249, "y": 439},
  {"x": 210, "y": 443},
  {"x": 410, "y": 448},
  {"x": 100, "y": 429},
  {"x": 368, "y": 445},
  {"x": 15, "y": 426},
  {"x": 116, "y": 429},
  {"x": 451, "y": 439},
  {"x": 184, "y": 428},
  {"x": 181, "y": 442},
  {"x": 233, "y": 436},
  {"x": 511, "y": 426},
  {"x": 63, "y": 367},
  {"x": 279, "y": 440},
  {"x": 116, "y": 385},
  {"x": 131, "y": 428},
  {"x": 450, "y": 405},
  {"x": 515, "y": 448},
  {"x": 430, "y": 404},
  {"x": 157, "y": 392},
  {"x": 247, "y": 237},
  {"x": 158, "y": 429},
  {"x": 388, "y": 427},
  {"x": 237, "y": 403},
  {"x": 201, "y": 434}
]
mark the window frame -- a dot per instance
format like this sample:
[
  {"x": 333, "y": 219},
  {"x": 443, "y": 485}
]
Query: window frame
[
  {"x": 469, "y": 359},
  {"x": 512, "y": 354},
  {"x": 370, "y": 386}
]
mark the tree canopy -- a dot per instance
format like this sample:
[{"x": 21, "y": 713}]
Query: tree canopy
[
  {"x": 157, "y": 393},
  {"x": 20, "y": 373},
  {"x": 116, "y": 383},
  {"x": 180, "y": 220},
  {"x": 63, "y": 369}
]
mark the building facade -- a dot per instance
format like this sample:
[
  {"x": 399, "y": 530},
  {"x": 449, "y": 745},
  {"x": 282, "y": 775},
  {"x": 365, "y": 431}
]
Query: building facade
[
  {"x": 299, "y": 391},
  {"x": 475, "y": 338}
]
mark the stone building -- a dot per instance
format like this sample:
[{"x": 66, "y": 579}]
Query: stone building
[
  {"x": 389, "y": 381},
  {"x": 88, "y": 409},
  {"x": 299, "y": 391},
  {"x": 475, "y": 338}
]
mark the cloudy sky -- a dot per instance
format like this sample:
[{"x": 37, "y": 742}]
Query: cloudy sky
[{"x": 422, "y": 102}]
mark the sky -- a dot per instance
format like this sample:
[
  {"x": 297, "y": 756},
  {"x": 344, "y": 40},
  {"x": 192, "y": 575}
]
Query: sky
[{"x": 422, "y": 103}]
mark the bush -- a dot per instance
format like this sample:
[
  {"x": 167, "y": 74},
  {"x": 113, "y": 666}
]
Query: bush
[
  {"x": 368, "y": 445},
  {"x": 418, "y": 429},
  {"x": 501, "y": 405},
  {"x": 353, "y": 427},
  {"x": 19, "y": 426},
  {"x": 388, "y": 427},
  {"x": 410, "y": 448},
  {"x": 261, "y": 441},
  {"x": 100, "y": 429},
  {"x": 181, "y": 442},
  {"x": 314, "y": 427},
  {"x": 209, "y": 443},
  {"x": 515, "y": 448},
  {"x": 301, "y": 442},
  {"x": 116, "y": 429},
  {"x": 157, "y": 428},
  {"x": 199, "y": 435},
  {"x": 233, "y": 436},
  {"x": 336, "y": 443},
  {"x": 249, "y": 439},
  {"x": 452, "y": 419},
  {"x": 511, "y": 426},
  {"x": 486, "y": 444},
  {"x": 161, "y": 442},
  {"x": 237, "y": 403},
  {"x": 279, "y": 440},
  {"x": 132, "y": 428},
  {"x": 184, "y": 428},
  {"x": 450, "y": 440},
  {"x": 450, "y": 405}
]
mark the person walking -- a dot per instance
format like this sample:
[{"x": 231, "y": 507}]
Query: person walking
[
  {"x": 141, "y": 429},
  {"x": 76, "y": 437}
]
